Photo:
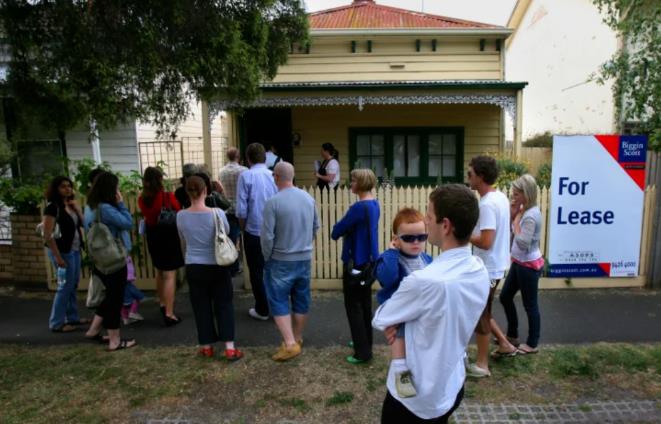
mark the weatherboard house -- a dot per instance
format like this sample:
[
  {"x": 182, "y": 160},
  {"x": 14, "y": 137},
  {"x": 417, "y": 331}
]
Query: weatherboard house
[{"x": 408, "y": 94}]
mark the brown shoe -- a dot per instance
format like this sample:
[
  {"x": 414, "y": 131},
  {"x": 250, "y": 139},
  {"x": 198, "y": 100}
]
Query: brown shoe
[
  {"x": 66, "y": 328},
  {"x": 285, "y": 353}
]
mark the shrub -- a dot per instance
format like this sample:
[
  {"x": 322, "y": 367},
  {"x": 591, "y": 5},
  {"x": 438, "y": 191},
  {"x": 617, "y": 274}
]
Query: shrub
[
  {"x": 544, "y": 175},
  {"x": 23, "y": 198},
  {"x": 540, "y": 140},
  {"x": 510, "y": 169}
]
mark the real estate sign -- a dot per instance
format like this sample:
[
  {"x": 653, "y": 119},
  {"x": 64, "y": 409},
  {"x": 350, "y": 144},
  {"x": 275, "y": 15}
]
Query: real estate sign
[{"x": 597, "y": 191}]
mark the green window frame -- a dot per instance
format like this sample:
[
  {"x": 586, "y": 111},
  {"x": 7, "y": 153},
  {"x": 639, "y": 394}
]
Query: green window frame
[{"x": 413, "y": 155}]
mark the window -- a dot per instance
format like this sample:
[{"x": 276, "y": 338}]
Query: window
[{"x": 410, "y": 155}]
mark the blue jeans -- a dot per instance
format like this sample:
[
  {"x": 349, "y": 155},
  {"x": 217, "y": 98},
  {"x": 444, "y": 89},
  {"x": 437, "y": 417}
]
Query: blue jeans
[
  {"x": 527, "y": 280},
  {"x": 285, "y": 279},
  {"x": 65, "y": 303},
  {"x": 131, "y": 293}
]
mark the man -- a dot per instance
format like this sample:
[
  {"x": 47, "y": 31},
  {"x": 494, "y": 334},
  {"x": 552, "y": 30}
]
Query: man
[
  {"x": 440, "y": 306},
  {"x": 229, "y": 177},
  {"x": 491, "y": 241},
  {"x": 272, "y": 158},
  {"x": 290, "y": 223},
  {"x": 254, "y": 188}
]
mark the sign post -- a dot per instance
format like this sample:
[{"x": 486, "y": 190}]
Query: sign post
[{"x": 597, "y": 194}]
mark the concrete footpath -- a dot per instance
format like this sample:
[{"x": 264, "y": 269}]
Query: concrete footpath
[{"x": 568, "y": 316}]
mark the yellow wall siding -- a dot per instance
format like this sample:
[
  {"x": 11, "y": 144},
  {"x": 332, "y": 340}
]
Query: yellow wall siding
[
  {"x": 393, "y": 59},
  {"x": 318, "y": 125}
]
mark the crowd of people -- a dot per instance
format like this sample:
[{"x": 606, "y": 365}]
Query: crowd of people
[{"x": 428, "y": 309}]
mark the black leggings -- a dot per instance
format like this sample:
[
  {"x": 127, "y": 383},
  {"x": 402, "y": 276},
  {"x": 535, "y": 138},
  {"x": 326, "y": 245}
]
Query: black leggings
[
  {"x": 358, "y": 305},
  {"x": 211, "y": 292},
  {"x": 110, "y": 308},
  {"x": 394, "y": 412}
]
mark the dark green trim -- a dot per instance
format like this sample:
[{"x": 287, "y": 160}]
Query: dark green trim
[
  {"x": 369, "y": 46},
  {"x": 395, "y": 86},
  {"x": 482, "y": 44},
  {"x": 417, "y": 45},
  {"x": 423, "y": 132},
  {"x": 353, "y": 47},
  {"x": 433, "y": 45}
]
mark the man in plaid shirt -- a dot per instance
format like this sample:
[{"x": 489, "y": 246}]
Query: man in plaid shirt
[{"x": 228, "y": 176}]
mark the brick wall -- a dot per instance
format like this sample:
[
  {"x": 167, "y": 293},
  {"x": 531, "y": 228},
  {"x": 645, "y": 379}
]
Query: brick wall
[{"x": 25, "y": 259}]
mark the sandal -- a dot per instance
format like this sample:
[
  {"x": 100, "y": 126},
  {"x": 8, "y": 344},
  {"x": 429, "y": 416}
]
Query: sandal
[
  {"x": 98, "y": 338},
  {"x": 82, "y": 321},
  {"x": 233, "y": 354},
  {"x": 496, "y": 354},
  {"x": 66, "y": 328},
  {"x": 123, "y": 344},
  {"x": 524, "y": 349}
]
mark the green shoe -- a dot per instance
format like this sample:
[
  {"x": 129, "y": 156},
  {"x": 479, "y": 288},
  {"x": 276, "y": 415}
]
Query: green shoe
[
  {"x": 355, "y": 361},
  {"x": 350, "y": 344}
]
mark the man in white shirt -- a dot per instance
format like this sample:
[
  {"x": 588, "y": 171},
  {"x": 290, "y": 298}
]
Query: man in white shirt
[
  {"x": 440, "y": 305},
  {"x": 491, "y": 243}
]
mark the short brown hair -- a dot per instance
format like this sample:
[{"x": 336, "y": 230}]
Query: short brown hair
[
  {"x": 255, "y": 153},
  {"x": 485, "y": 167},
  {"x": 406, "y": 216},
  {"x": 232, "y": 154},
  {"x": 365, "y": 179},
  {"x": 457, "y": 203},
  {"x": 195, "y": 186}
]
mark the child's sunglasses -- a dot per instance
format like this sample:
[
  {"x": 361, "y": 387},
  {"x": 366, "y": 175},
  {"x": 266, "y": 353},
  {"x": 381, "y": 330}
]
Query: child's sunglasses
[{"x": 410, "y": 238}]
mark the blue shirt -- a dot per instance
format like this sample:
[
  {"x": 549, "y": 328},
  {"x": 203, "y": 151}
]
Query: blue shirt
[
  {"x": 117, "y": 218},
  {"x": 353, "y": 226},
  {"x": 391, "y": 268},
  {"x": 254, "y": 188},
  {"x": 198, "y": 230}
]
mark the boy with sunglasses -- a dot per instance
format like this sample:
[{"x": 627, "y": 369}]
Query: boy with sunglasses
[{"x": 405, "y": 255}]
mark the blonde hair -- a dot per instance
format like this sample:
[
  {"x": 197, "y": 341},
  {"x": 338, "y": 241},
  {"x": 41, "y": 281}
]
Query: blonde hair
[
  {"x": 527, "y": 185},
  {"x": 365, "y": 179}
]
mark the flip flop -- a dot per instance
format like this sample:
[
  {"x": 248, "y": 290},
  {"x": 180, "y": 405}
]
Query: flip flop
[
  {"x": 98, "y": 338},
  {"x": 82, "y": 321},
  {"x": 66, "y": 328},
  {"x": 123, "y": 344},
  {"x": 524, "y": 352},
  {"x": 496, "y": 354}
]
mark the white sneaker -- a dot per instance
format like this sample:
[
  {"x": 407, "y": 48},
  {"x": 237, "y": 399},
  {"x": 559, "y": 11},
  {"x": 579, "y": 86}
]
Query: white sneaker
[
  {"x": 136, "y": 316},
  {"x": 404, "y": 384},
  {"x": 253, "y": 314},
  {"x": 472, "y": 370}
]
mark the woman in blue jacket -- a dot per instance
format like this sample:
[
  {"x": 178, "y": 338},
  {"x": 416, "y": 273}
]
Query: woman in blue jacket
[
  {"x": 360, "y": 248},
  {"x": 105, "y": 197}
]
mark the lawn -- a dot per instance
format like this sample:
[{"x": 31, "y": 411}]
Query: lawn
[{"x": 84, "y": 384}]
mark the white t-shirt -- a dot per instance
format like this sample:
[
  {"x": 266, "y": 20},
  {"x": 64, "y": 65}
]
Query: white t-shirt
[
  {"x": 495, "y": 215},
  {"x": 333, "y": 167},
  {"x": 270, "y": 159}
]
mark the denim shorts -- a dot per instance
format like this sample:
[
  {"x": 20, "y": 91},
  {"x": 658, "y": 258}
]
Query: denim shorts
[{"x": 285, "y": 279}]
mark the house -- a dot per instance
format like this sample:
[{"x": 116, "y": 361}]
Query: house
[
  {"x": 409, "y": 94},
  {"x": 556, "y": 45}
]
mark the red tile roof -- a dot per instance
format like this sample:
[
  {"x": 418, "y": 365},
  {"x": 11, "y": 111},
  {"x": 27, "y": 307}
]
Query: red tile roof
[{"x": 367, "y": 14}]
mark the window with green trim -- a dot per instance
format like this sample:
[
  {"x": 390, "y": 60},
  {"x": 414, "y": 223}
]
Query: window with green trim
[{"x": 412, "y": 155}]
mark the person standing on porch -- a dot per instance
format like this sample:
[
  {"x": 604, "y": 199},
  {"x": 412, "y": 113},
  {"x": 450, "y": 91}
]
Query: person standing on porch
[
  {"x": 290, "y": 223},
  {"x": 328, "y": 171},
  {"x": 490, "y": 240},
  {"x": 254, "y": 188},
  {"x": 359, "y": 227},
  {"x": 440, "y": 305},
  {"x": 229, "y": 177}
]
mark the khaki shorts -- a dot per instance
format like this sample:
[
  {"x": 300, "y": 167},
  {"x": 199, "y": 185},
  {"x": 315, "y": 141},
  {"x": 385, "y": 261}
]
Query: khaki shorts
[{"x": 483, "y": 327}]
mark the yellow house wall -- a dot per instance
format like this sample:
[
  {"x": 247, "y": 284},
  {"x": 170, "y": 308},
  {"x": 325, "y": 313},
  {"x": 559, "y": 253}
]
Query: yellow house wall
[
  {"x": 393, "y": 59},
  {"x": 318, "y": 125}
]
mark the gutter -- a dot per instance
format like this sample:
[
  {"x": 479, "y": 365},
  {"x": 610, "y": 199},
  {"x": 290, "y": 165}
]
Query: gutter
[{"x": 481, "y": 32}]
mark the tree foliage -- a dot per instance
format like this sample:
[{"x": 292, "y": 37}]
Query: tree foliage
[
  {"x": 116, "y": 61},
  {"x": 635, "y": 67}
]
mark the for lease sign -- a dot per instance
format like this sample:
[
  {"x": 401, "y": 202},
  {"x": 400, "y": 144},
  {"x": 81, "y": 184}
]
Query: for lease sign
[{"x": 597, "y": 192}]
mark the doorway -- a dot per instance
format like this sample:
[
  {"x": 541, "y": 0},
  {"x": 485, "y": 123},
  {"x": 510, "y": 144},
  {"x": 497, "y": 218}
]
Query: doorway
[{"x": 269, "y": 126}]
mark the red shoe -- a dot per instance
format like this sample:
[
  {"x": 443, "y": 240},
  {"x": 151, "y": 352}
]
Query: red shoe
[
  {"x": 233, "y": 354},
  {"x": 206, "y": 352}
]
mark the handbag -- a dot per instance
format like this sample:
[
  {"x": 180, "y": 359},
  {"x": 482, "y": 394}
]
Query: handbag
[
  {"x": 56, "y": 233},
  {"x": 226, "y": 253},
  {"x": 168, "y": 216},
  {"x": 106, "y": 252},
  {"x": 363, "y": 277},
  {"x": 96, "y": 292}
]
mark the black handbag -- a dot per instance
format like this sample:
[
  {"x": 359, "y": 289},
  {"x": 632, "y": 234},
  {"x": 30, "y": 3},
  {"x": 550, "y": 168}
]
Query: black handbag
[
  {"x": 364, "y": 278},
  {"x": 168, "y": 216}
]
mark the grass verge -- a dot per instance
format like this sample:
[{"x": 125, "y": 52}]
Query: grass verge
[{"x": 84, "y": 384}]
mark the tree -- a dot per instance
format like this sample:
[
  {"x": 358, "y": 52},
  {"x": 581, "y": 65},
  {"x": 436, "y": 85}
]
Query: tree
[
  {"x": 116, "y": 61},
  {"x": 635, "y": 67}
]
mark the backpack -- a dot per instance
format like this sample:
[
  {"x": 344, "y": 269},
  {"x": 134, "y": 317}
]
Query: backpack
[{"x": 107, "y": 253}]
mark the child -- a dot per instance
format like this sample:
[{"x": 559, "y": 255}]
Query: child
[
  {"x": 132, "y": 296},
  {"x": 405, "y": 255}
]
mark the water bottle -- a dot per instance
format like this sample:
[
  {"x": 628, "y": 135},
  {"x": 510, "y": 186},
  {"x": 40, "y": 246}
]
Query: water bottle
[{"x": 61, "y": 276}]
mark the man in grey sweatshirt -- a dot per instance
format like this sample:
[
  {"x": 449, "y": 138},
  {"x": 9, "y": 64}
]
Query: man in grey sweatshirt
[{"x": 287, "y": 236}]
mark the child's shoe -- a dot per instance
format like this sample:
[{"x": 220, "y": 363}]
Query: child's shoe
[
  {"x": 136, "y": 316},
  {"x": 404, "y": 384},
  {"x": 206, "y": 352}
]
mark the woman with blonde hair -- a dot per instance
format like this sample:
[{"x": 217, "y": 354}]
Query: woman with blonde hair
[
  {"x": 360, "y": 250},
  {"x": 527, "y": 263}
]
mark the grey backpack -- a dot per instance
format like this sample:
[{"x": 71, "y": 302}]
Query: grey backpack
[{"x": 107, "y": 253}]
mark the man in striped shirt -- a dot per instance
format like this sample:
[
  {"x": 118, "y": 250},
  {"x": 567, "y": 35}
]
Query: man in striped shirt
[{"x": 229, "y": 177}]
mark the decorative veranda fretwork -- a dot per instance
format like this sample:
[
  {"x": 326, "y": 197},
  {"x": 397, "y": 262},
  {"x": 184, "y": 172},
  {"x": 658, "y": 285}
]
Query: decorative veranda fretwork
[{"x": 508, "y": 103}]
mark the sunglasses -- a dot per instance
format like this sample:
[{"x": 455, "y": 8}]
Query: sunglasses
[{"x": 410, "y": 238}]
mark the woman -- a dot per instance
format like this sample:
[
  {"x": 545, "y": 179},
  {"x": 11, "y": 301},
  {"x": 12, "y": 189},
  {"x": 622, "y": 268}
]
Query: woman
[
  {"x": 64, "y": 252},
  {"x": 210, "y": 285},
  {"x": 328, "y": 174},
  {"x": 360, "y": 248},
  {"x": 527, "y": 263},
  {"x": 105, "y": 200},
  {"x": 162, "y": 240},
  {"x": 214, "y": 199}
]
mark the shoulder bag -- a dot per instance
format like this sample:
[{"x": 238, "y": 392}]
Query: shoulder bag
[{"x": 226, "y": 253}]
